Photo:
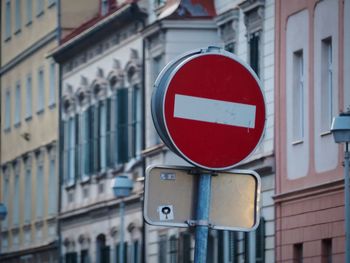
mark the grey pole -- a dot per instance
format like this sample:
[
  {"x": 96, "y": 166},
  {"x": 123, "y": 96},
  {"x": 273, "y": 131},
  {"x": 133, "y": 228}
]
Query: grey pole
[
  {"x": 202, "y": 224},
  {"x": 121, "y": 241},
  {"x": 347, "y": 202}
]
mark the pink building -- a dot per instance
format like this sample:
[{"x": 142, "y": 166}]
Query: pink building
[{"x": 312, "y": 86}]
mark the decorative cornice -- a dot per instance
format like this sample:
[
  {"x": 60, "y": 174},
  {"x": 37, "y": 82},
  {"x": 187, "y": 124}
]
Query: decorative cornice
[{"x": 319, "y": 189}]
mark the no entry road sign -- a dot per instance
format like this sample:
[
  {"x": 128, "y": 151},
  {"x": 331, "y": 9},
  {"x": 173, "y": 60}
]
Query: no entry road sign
[{"x": 208, "y": 107}]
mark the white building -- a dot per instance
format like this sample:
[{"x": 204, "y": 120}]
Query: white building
[{"x": 108, "y": 68}]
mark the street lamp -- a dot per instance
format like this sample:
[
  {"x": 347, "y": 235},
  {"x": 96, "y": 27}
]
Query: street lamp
[
  {"x": 122, "y": 187},
  {"x": 341, "y": 133},
  {"x": 3, "y": 211}
]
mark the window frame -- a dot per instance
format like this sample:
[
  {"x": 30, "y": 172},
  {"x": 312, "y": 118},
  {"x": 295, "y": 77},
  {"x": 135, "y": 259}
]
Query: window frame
[
  {"x": 29, "y": 12},
  {"x": 41, "y": 91},
  {"x": 8, "y": 20},
  {"x": 18, "y": 105},
  {"x": 327, "y": 89},
  {"x": 298, "y": 97},
  {"x": 29, "y": 97},
  {"x": 18, "y": 17},
  {"x": 7, "y": 117}
]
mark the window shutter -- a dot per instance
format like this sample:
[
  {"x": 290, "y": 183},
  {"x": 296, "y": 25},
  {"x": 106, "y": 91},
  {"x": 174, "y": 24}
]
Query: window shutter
[
  {"x": 109, "y": 153},
  {"x": 260, "y": 242},
  {"x": 77, "y": 152},
  {"x": 254, "y": 53},
  {"x": 122, "y": 124}
]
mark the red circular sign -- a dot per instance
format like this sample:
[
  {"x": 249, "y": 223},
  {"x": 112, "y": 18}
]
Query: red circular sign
[{"x": 214, "y": 110}]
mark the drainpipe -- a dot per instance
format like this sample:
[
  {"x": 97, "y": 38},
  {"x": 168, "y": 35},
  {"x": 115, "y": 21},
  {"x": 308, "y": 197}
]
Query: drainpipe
[{"x": 60, "y": 138}]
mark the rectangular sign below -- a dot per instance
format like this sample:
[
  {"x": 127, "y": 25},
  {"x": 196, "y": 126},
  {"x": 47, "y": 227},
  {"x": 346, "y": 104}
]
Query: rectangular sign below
[
  {"x": 171, "y": 200},
  {"x": 214, "y": 111}
]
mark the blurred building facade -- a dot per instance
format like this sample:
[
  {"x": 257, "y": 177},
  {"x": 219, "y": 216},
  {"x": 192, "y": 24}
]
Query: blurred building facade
[
  {"x": 312, "y": 65},
  {"x": 29, "y": 126},
  {"x": 100, "y": 126}
]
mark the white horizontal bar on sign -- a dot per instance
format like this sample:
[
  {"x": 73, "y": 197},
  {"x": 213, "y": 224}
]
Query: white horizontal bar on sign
[{"x": 214, "y": 111}]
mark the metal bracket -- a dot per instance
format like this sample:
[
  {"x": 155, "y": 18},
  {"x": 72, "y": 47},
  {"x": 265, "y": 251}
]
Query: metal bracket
[{"x": 199, "y": 223}]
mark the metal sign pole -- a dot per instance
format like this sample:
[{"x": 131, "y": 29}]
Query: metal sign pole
[{"x": 202, "y": 221}]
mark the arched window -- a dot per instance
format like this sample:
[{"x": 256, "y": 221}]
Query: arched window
[{"x": 102, "y": 250}]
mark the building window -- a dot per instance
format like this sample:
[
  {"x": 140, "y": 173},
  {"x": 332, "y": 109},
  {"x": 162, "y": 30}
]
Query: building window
[
  {"x": 39, "y": 188},
  {"x": 69, "y": 150},
  {"x": 298, "y": 253},
  {"x": 173, "y": 249},
  {"x": 254, "y": 244},
  {"x": 125, "y": 253},
  {"x": 18, "y": 105},
  {"x": 29, "y": 97},
  {"x": 326, "y": 85},
  {"x": 102, "y": 250},
  {"x": 71, "y": 257},
  {"x": 254, "y": 52},
  {"x": 298, "y": 96},
  {"x": 51, "y": 3},
  {"x": 135, "y": 256},
  {"x": 7, "y": 20},
  {"x": 18, "y": 16},
  {"x": 185, "y": 247},
  {"x": 39, "y": 7},
  {"x": 327, "y": 251},
  {"x": 157, "y": 65},
  {"x": 52, "y": 188},
  {"x": 84, "y": 256},
  {"x": 102, "y": 112},
  {"x": 162, "y": 248},
  {"x": 104, "y": 7},
  {"x": 7, "y": 110},
  {"x": 29, "y": 11},
  {"x": 41, "y": 91},
  {"x": 232, "y": 246},
  {"x": 136, "y": 112},
  {"x": 5, "y": 194},
  {"x": 122, "y": 125},
  {"x": 28, "y": 192},
  {"x": 86, "y": 150},
  {"x": 16, "y": 196},
  {"x": 52, "y": 95}
]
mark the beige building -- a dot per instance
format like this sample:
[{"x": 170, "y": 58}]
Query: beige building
[{"x": 29, "y": 124}]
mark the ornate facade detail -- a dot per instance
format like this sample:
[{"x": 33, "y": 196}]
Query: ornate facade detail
[
  {"x": 83, "y": 93},
  {"x": 68, "y": 101},
  {"x": 116, "y": 76},
  {"x": 253, "y": 15},
  {"x": 228, "y": 27},
  {"x": 99, "y": 85},
  {"x": 133, "y": 68}
]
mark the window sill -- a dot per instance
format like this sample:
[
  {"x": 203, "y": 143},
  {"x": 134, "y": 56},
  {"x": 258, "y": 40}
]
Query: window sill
[
  {"x": 53, "y": 3},
  {"x": 85, "y": 180},
  {"x": 39, "y": 112},
  {"x": 39, "y": 222},
  {"x": 326, "y": 133},
  {"x": 28, "y": 118},
  {"x": 69, "y": 186},
  {"x": 29, "y": 23},
  {"x": 27, "y": 226},
  {"x": 52, "y": 105},
  {"x": 7, "y": 130},
  {"x": 17, "y": 125},
  {"x": 18, "y": 31},
  {"x": 41, "y": 13},
  {"x": 297, "y": 142}
]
